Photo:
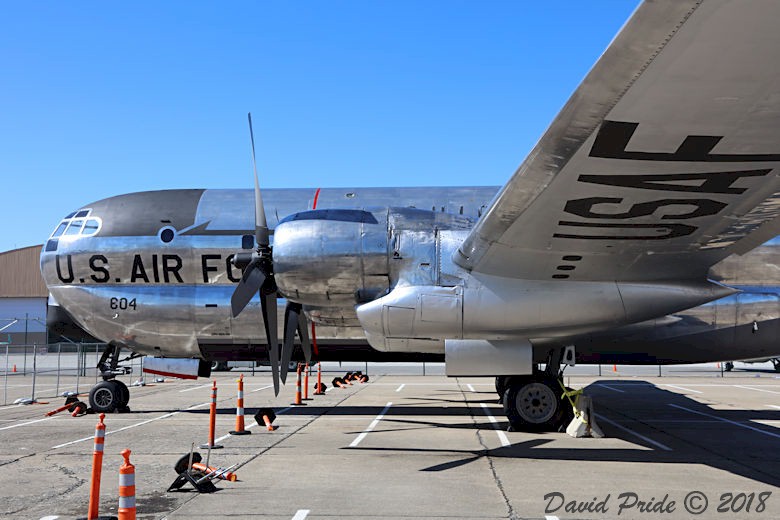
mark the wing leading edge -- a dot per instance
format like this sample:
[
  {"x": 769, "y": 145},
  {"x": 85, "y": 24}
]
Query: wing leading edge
[{"x": 663, "y": 162}]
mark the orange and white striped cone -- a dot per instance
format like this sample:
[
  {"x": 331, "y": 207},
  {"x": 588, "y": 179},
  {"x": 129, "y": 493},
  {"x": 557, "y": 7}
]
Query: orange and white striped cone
[
  {"x": 306, "y": 384},
  {"x": 220, "y": 473},
  {"x": 267, "y": 416},
  {"x": 318, "y": 389},
  {"x": 298, "y": 401},
  {"x": 212, "y": 420},
  {"x": 240, "y": 410},
  {"x": 126, "y": 488},
  {"x": 58, "y": 410},
  {"x": 97, "y": 468}
]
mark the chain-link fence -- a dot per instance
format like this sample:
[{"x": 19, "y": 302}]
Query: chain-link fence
[{"x": 41, "y": 372}]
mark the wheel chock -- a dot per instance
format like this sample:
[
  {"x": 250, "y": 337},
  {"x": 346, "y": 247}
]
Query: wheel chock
[
  {"x": 319, "y": 388},
  {"x": 338, "y": 382},
  {"x": 266, "y": 416},
  {"x": 181, "y": 464},
  {"x": 584, "y": 422},
  {"x": 363, "y": 378}
]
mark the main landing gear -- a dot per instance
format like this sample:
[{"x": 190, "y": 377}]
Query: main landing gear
[
  {"x": 111, "y": 395},
  {"x": 534, "y": 402}
]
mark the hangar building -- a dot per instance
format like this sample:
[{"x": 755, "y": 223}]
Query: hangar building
[{"x": 23, "y": 297}]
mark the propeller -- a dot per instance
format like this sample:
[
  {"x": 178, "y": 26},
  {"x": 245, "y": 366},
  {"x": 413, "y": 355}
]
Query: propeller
[
  {"x": 258, "y": 275},
  {"x": 294, "y": 321}
]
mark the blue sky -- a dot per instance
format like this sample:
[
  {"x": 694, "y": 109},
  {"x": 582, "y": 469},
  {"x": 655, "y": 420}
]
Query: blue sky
[{"x": 105, "y": 98}]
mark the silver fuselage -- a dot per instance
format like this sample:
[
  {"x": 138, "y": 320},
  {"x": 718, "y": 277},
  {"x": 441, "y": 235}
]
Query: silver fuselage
[{"x": 152, "y": 271}]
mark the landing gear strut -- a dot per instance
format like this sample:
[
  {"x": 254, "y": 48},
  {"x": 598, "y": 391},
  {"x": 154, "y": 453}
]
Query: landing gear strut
[
  {"x": 533, "y": 402},
  {"x": 110, "y": 394}
]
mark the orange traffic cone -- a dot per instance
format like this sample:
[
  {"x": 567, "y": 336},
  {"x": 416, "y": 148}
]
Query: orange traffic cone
[
  {"x": 614, "y": 368},
  {"x": 14, "y": 370},
  {"x": 126, "y": 488}
]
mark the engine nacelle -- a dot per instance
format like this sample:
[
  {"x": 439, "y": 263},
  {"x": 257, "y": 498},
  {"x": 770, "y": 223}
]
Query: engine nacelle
[{"x": 332, "y": 256}]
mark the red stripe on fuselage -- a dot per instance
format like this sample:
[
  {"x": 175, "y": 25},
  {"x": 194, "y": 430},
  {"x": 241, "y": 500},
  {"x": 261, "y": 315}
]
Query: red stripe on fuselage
[{"x": 169, "y": 374}]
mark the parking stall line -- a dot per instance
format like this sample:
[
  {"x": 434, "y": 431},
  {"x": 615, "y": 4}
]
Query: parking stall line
[
  {"x": 774, "y": 406},
  {"x": 756, "y": 389},
  {"x": 194, "y": 388},
  {"x": 26, "y": 423},
  {"x": 371, "y": 426},
  {"x": 400, "y": 387},
  {"x": 250, "y": 426},
  {"x": 471, "y": 388},
  {"x": 735, "y": 423},
  {"x": 632, "y": 432},
  {"x": 110, "y": 432},
  {"x": 261, "y": 388},
  {"x": 610, "y": 388},
  {"x": 501, "y": 435},
  {"x": 684, "y": 389},
  {"x": 301, "y": 514}
]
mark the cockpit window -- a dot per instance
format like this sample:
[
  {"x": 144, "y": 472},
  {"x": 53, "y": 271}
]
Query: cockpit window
[
  {"x": 75, "y": 225},
  {"x": 59, "y": 230},
  {"x": 74, "y": 228},
  {"x": 90, "y": 227}
]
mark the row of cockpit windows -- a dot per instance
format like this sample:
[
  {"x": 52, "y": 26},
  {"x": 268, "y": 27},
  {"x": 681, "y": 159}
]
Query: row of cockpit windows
[{"x": 77, "y": 223}]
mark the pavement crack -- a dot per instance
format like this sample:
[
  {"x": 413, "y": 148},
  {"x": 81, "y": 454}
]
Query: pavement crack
[
  {"x": 17, "y": 459},
  {"x": 486, "y": 453}
]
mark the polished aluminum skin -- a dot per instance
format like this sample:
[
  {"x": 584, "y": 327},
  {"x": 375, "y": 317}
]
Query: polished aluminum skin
[{"x": 615, "y": 235}]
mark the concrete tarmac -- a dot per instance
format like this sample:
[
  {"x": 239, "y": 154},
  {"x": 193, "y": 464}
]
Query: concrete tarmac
[{"x": 412, "y": 446}]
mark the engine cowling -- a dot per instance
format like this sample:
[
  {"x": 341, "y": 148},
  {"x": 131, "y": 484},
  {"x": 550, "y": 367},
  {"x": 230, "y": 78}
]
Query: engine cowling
[{"x": 332, "y": 256}]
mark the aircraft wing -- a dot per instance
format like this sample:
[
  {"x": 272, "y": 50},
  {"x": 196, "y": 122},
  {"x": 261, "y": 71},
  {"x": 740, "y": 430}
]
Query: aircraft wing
[{"x": 663, "y": 162}]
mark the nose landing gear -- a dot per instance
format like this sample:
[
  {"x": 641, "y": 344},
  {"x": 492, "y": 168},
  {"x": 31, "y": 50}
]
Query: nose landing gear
[{"x": 111, "y": 395}]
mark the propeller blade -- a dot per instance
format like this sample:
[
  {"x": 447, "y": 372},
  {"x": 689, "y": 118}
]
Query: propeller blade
[
  {"x": 251, "y": 281},
  {"x": 303, "y": 333},
  {"x": 291, "y": 317},
  {"x": 268, "y": 307},
  {"x": 261, "y": 225}
]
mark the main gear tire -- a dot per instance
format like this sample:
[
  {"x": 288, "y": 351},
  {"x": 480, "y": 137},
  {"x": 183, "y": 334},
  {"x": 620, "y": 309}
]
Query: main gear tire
[
  {"x": 534, "y": 404},
  {"x": 105, "y": 397}
]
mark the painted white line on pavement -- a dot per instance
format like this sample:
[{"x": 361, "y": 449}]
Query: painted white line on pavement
[
  {"x": 301, "y": 514},
  {"x": 610, "y": 388},
  {"x": 684, "y": 389},
  {"x": 735, "y": 423},
  {"x": 195, "y": 388},
  {"x": 773, "y": 406},
  {"x": 110, "y": 432},
  {"x": 501, "y": 435},
  {"x": 26, "y": 423},
  {"x": 249, "y": 427},
  {"x": 632, "y": 432},
  {"x": 471, "y": 388},
  {"x": 400, "y": 387},
  {"x": 756, "y": 389},
  {"x": 261, "y": 388},
  {"x": 371, "y": 426}
]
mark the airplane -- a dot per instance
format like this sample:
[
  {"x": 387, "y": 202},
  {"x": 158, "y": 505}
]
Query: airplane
[{"x": 642, "y": 228}]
